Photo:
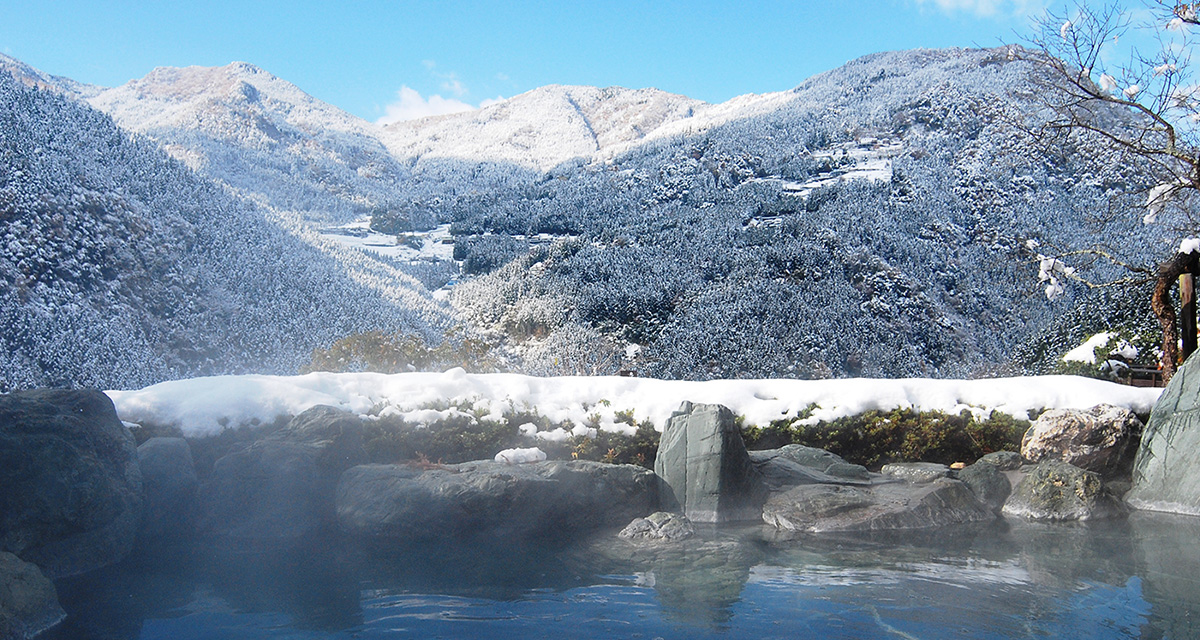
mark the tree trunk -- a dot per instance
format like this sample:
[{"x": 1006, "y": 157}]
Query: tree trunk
[{"x": 1164, "y": 309}]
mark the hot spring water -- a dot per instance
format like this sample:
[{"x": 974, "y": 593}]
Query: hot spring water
[{"x": 1134, "y": 578}]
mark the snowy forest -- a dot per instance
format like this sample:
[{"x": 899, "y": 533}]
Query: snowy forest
[{"x": 881, "y": 219}]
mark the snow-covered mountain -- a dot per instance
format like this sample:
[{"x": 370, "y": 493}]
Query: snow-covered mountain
[
  {"x": 261, "y": 135},
  {"x": 120, "y": 267},
  {"x": 874, "y": 220},
  {"x": 543, "y": 128}
]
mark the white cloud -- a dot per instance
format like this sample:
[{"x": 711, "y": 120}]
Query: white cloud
[
  {"x": 452, "y": 84},
  {"x": 411, "y": 105},
  {"x": 988, "y": 7}
]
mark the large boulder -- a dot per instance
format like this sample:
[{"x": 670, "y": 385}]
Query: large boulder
[
  {"x": 28, "y": 601},
  {"x": 1096, "y": 439},
  {"x": 70, "y": 487},
  {"x": 887, "y": 505},
  {"x": 169, "y": 480},
  {"x": 1057, "y": 491},
  {"x": 490, "y": 499},
  {"x": 1166, "y": 470},
  {"x": 704, "y": 468},
  {"x": 280, "y": 490}
]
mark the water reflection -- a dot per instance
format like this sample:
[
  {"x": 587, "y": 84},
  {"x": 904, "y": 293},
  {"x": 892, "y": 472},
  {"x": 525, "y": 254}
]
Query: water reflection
[{"x": 1135, "y": 578}]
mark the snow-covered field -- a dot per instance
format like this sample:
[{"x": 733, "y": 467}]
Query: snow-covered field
[
  {"x": 204, "y": 406},
  {"x": 358, "y": 234}
]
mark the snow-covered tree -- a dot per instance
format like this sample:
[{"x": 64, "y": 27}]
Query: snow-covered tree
[{"x": 1143, "y": 106}]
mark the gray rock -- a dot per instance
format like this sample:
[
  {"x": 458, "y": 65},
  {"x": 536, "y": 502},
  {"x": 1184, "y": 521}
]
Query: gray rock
[
  {"x": 1055, "y": 490},
  {"x": 1166, "y": 470},
  {"x": 1003, "y": 460},
  {"x": 987, "y": 482},
  {"x": 335, "y": 434},
  {"x": 891, "y": 505},
  {"x": 659, "y": 526},
  {"x": 281, "y": 489},
  {"x": 828, "y": 463},
  {"x": 1095, "y": 440},
  {"x": 916, "y": 471},
  {"x": 705, "y": 470},
  {"x": 28, "y": 601},
  {"x": 169, "y": 480},
  {"x": 491, "y": 499},
  {"x": 780, "y": 470},
  {"x": 71, "y": 496}
]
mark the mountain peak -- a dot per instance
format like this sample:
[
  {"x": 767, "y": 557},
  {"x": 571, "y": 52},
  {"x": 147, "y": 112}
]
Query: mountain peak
[{"x": 33, "y": 77}]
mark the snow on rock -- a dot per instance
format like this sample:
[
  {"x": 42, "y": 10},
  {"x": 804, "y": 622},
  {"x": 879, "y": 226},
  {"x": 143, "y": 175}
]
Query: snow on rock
[
  {"x": 521, "y": 456},
  {"x": 1189, "y": 245},
  {"x": 205, "y": 406}
]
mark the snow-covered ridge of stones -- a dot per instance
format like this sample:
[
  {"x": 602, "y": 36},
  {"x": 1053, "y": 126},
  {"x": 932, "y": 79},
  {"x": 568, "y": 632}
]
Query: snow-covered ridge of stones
[{"x": 205, "y": 406}]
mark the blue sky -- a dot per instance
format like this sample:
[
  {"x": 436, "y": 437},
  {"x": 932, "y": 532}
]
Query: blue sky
[{"x": 359, "y": 55}]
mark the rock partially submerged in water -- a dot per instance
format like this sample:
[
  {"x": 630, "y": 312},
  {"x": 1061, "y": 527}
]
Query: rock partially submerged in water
[
  {"x": 1095, "y": 440},
  {"x": 704, "y": 468},
  {"x": 70, "y": 486},
  {"x": 280, "y": 489},
  {"x": 490, "y": 499},
  {"x": 28, "y": 601},
  {"x": 659, "y": 526},
  {"x": 1057, "y": 491}
]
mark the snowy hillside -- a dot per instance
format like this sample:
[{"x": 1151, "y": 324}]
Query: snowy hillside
[{"x": 120, "y": 267}]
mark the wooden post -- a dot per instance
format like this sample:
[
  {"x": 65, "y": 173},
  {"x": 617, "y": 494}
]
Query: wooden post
[{"x": 1187, "y": 312}]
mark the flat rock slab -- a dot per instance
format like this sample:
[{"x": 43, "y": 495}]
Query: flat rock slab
[
  {"x": 780, "y": 470},
  {"x": 492, "y": 499},
  {"x": 916, "y": 471},
  {"x": 816, "y": 508}
]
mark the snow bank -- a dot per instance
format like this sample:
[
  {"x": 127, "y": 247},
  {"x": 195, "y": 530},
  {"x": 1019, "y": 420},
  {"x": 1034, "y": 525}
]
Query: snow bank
[{"x": 204, "y": 406}]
